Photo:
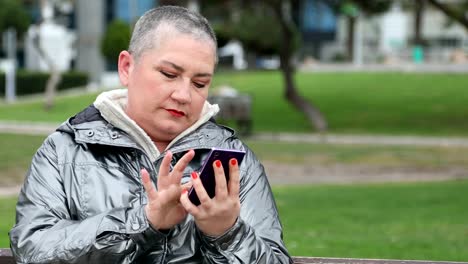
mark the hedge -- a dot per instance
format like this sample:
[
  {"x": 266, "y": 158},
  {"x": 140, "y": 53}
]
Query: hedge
[{"x": 28, "y": 82}]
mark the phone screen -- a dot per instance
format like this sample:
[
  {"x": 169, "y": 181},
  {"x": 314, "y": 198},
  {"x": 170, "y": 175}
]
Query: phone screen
[{"x": 206, "y": 172}]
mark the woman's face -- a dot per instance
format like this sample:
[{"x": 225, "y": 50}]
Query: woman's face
[{"x": 168, "y": 85}]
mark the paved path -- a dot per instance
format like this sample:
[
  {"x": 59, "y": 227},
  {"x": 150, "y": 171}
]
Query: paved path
[
  {"x": 9, "y": 191},
  {"x": 47, "y": 128},
  {"x": 282, "y": 173},
  {"x": 364, "y": 139},
  {"x": 28, "y": 128},
  {"x": 432, "y": 68}
]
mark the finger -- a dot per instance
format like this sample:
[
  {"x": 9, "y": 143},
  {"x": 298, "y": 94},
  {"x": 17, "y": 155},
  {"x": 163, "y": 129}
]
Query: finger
[
  {"x": 220, "y": 178},
  {"x": 188, "y": 205},
  {"x": 183, "y": 162},
  {"x": 187, "y": 185},
  {"x": 148, "y": 184},
  {"x": 199, "y": 189},
  {"x": 234, "y": 178},
  {"x": 165, "y": 164}
]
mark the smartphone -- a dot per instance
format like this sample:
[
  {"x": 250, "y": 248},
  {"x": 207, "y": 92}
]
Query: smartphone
[{"x": 207, "y": 175}]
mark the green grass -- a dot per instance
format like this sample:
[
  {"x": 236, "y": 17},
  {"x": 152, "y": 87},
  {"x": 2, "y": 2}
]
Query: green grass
[
  {"x": 65, "y": 106},
  {"x": 17, "y": 151},
  {"x": 15, "y": 156},
  {"x": 329, "y": 154},
  {"x": 426, "y": 221},
  {"x": 381, "y": 103},
  {"x": 361, "y": 102},
  {"x": 7, "y": 211}
]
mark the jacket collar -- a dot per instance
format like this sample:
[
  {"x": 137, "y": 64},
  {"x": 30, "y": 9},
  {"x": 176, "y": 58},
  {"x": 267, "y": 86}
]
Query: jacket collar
[
  {"x": 105, "y": 122},
  {"x": 101, "y": 132}
]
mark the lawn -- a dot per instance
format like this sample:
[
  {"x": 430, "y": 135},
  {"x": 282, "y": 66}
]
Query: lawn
[
  {"x": 377, "y": 155},
  {"x": 16, "y": 153},
  {"x": 7, "y": 211},
  {"x": 424, "y": 221},
  {"x": 399, "y": 221},
  {"x": 388, "y": 103},
  {"x": 370, "y": 103},
  {"x": 17, "y": 150}
]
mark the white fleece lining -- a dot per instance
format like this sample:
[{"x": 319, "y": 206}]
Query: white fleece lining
[{"x": 112, "y": 106}]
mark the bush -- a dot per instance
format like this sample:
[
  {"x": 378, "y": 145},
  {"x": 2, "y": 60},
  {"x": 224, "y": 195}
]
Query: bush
[
  {"x": 13, "y": 15},
  {"x": 115, "y": 39},
  {"x": 28, "y": 82},
  {"x": 258, "y": 29}
]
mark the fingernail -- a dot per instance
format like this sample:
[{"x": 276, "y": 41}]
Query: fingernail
[
  {"x": 218, "y": 163},
  {"x": 233, "y": 162},
  {"x": 194, "y": 175},
  {"x": 184, "y": 191}
]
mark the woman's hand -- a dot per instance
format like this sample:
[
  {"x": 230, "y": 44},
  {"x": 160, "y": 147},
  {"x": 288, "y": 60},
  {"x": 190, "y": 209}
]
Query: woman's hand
[
  {"x": 215, "y": 216},
  {"x": 164, "y": 209}
]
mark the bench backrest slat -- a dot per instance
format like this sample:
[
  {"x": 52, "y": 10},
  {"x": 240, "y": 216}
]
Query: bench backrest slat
[{"x": 7, "y": 258}]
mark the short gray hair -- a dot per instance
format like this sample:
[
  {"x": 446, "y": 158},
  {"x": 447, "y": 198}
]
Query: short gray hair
[{"x": 145, "y": 33}]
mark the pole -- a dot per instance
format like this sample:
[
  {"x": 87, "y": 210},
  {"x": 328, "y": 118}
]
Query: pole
[
  {"x": 358, "y": 43},
  {"x": 10, "y": 73}
]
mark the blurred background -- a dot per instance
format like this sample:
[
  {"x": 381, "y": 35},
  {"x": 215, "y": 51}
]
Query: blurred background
[{"x": 358, "y": 109}]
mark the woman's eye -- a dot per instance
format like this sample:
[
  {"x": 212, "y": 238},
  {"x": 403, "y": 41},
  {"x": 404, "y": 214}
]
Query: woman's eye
[
  {"x": 168, "y": 75},
  {"x": 199, "y": 85}
]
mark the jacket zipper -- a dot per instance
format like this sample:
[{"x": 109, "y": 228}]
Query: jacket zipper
[{"x": 137, "y": 160}]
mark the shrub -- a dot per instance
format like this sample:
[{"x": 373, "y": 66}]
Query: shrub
[
  {"x": 28, "y": 82},
  {"x": 115, "y": 39},
  {"x": 13, "y": 15}
]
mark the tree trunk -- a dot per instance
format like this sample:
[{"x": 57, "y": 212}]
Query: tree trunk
[
  {"x": 457, "y": 16},
  {"x": 350, "y": 40},
  {"x": 55, "y": 75},
  {"x": 418, "y": 17},
  {"x": 313, "y": 115},
  {"x": 51, "y": 87}
]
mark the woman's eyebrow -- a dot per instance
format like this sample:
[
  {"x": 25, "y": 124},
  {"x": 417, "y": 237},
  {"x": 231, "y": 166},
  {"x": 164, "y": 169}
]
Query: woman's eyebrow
[
  {"x": 181, "y": 69},
  {"x": 203, "y": 75},
  {"x": 175, "y": 66}
]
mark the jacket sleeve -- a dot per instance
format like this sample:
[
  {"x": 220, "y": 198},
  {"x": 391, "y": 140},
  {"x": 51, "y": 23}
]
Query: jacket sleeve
[
  {"x": 46, "y": 233},
  {"x": 256, "y": 236}
]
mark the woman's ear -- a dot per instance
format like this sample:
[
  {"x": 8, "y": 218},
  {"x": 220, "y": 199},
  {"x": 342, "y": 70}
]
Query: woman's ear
[{"x": 125, "y": 67}]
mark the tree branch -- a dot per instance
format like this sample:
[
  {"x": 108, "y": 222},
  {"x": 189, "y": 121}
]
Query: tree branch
[{"x": 459, "y": 17}]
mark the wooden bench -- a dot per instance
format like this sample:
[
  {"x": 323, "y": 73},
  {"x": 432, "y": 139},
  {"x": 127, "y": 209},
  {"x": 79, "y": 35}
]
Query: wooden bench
[
  {"x": 7, "y": 258},
  {"x": 236, "y": 108}
]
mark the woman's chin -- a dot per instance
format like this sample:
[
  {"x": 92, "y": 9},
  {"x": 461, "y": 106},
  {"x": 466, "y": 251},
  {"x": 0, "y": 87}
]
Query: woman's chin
[{"x": 171, "y": 130}]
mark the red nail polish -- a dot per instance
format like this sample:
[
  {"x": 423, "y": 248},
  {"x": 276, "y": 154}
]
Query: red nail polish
[
  {"x": 184, "y": 191},
  {"x": 218, "y": 163},
  {"x": 233, "y": 162},
  {"x": 194, "y": 175}
]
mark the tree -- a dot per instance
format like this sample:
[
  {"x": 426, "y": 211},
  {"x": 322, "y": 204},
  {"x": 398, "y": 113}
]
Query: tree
[
  {"x": 266, "y": 27},
  {"x": 418, "y": 18},
  {"x": 13, "y": 15},
  {"x": 14, "y": 21},
  {"x": 456, "y": 11},
  {"x": 352, "y": 9},
  {"x": 288, "y": 34},
  {"x": 48, "y": 8},
  {"x": 55, "y": 75},
  {"x": 115, "y": 39}
]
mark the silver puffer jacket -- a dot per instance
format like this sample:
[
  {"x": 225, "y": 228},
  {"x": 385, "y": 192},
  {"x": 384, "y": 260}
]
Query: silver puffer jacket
[{"x": 83, "y": 202}]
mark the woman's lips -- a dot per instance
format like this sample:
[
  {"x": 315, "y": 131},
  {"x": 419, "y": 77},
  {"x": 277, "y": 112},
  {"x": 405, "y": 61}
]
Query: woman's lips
[{"x": 175, "y": 113}]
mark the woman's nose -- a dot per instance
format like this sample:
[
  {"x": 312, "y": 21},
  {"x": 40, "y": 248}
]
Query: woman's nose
[{"x": 181, "y": 93}]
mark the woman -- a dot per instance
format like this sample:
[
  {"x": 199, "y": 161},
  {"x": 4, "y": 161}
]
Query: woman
[{"x": 109, "y": 186}]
